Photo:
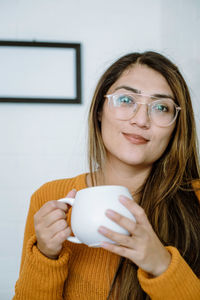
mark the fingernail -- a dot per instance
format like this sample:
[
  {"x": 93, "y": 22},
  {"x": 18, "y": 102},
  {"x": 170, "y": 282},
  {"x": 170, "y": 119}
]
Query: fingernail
[
  {"x": 104, "y": 245},
  {"x": 102, "y": 229},
  {"x": 110, "y": 213},
  {"x": 123, "y": 199}
]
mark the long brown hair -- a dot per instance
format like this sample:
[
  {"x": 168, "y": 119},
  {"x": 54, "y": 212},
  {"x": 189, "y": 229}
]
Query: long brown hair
[{"x": 167, "y": 196}]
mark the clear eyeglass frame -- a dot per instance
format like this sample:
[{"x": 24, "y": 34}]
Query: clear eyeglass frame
[{"x": 113, "y": 97}]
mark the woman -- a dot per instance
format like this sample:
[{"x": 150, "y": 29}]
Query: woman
[{"x": 141, "y": 135}]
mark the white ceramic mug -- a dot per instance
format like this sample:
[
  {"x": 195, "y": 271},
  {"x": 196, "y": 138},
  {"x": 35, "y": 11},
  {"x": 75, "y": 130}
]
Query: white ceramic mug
[{"x": 88, "y": 213}]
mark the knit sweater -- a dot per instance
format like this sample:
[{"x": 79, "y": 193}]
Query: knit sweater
[{"x": 82, "y": 272}]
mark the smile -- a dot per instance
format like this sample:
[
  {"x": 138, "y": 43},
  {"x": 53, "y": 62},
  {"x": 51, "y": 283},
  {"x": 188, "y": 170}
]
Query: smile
[{"x": 135, "y": 139}]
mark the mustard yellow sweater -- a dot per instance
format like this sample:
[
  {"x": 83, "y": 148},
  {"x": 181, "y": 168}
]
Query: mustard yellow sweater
[{"x": 86, "y": 273}]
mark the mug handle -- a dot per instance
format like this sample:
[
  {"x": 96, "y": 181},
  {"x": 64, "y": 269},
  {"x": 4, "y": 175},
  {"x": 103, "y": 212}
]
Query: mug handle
[{"x": 70, "y": 201}]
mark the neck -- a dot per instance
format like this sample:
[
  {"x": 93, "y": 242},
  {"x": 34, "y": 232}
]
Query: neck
[{"x": 118, "y": 173}]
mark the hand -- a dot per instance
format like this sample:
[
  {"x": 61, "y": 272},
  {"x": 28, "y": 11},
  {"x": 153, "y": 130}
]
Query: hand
[
  {"x": 142, "y": 247},
  {"x": 51, "y": 227}
]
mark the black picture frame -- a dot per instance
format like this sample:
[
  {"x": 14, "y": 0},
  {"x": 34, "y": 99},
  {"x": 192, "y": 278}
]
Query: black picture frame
[{"x": 53, "y": 45}]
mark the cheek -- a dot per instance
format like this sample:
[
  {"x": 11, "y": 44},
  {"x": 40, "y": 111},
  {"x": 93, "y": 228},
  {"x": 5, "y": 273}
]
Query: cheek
[
  {"x": 161, "y": 141},
  {"x": 110, "y": 131}
]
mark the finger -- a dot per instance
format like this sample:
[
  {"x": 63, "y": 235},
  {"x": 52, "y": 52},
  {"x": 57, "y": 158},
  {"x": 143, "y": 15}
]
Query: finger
[
  {"x": 72, "y": 193},
  {"x": 122, "y": 221},
  {"x": 119, "y": 250},
  {"x": 53, "y": 204},
  {"x": 137, "y": 211},
  {"x": 57, "y": 227},
  {"x": 52, "y": 246},
  {"x": 53, "y": 217},
  {"x": 120, "y": 239},
  {"x": 49, "y": 207},
  {"x": 61, "y": 236},
  {"x": 47, "y": 234}
]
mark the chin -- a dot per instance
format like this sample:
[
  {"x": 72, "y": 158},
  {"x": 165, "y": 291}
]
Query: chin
[{"x": 134, "y": 162}]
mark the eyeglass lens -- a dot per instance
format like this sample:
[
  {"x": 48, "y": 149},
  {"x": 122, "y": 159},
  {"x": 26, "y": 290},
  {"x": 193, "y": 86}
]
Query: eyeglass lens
[{"x": 161, "y": 111}]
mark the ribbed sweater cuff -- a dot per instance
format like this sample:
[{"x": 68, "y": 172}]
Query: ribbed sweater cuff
[
  {"x": 37, "y": 257},
  {"x": 41, "y": 275},
  {"x": 177, "y": 282}
]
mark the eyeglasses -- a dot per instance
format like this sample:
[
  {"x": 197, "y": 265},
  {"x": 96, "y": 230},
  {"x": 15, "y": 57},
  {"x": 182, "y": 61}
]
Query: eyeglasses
[{"x": 162, "y": 111}]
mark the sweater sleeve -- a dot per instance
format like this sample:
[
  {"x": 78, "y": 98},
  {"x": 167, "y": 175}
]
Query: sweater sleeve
[
  {"x": 177, "y": 282},
  {"x": 40, "y": 277}
]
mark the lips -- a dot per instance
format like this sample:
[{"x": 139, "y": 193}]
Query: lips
[{"x": 135, "y": 138}]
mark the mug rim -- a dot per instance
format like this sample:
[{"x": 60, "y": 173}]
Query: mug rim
[{"x": 105, "y": 186}]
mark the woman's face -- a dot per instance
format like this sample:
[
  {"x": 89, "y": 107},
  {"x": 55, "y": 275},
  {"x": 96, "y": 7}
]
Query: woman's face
[{"x": 136, "y": 141}]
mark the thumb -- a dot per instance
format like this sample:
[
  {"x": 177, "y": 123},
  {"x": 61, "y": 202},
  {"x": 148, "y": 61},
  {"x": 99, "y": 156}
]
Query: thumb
[{"x": 72, "y": 193}]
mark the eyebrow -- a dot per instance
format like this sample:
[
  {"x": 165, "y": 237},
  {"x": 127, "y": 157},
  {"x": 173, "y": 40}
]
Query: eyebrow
[{"x": 158, "y": 95}]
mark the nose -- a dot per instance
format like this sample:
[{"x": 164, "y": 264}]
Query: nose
[{"x": 141, "y": 116}]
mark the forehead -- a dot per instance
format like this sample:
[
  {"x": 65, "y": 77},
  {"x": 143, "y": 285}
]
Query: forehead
[{"x": 143, "y": 78}]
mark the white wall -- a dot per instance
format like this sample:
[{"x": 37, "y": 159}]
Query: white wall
[
  {"x": 42, "y": 142},
  {"x": 180, "y": 40}
]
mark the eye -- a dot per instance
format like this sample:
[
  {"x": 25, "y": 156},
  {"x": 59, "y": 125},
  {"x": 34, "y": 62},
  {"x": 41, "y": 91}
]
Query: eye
[
  {"x": 125, "y": 100},
  {"x": 160, "y": 107}
]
